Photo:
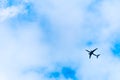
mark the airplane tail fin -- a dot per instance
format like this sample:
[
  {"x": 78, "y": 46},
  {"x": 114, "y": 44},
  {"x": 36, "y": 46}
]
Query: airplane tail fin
[{"x": 97, "y": 55}]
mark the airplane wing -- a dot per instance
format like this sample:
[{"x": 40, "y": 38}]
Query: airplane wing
[
  {"x": 95, "y": 49},
  {"x": 87, "y": 51}
]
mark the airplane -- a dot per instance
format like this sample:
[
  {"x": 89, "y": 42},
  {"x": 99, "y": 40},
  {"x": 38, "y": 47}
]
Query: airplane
[{"x": 92, "y": 53}]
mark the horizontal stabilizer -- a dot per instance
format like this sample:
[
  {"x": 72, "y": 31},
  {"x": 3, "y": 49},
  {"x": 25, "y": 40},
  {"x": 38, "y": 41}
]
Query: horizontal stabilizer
[{"x": 97, "y": 55}]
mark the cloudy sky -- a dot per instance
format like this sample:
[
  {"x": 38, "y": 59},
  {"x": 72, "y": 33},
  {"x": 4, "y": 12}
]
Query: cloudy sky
[{"x": 46, "y": 39}]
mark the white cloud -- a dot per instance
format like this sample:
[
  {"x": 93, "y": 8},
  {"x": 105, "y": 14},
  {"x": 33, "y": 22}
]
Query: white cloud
[
  {"x": 3, "y": 3},
  {"x": 9, "y": 12},
  {"x": 23, "y": 48}
]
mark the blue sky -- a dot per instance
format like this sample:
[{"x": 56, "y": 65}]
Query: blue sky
[{"x": 46, "y": 39}]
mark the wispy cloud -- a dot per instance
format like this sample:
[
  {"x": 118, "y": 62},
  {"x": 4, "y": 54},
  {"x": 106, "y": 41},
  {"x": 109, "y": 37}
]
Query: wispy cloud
[
  {"x": 46, "y": 40},
  {"x": 9, "y": 12}
]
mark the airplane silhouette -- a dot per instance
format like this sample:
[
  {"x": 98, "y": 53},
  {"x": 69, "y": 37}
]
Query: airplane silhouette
[{"x": 92, "y": 53}]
